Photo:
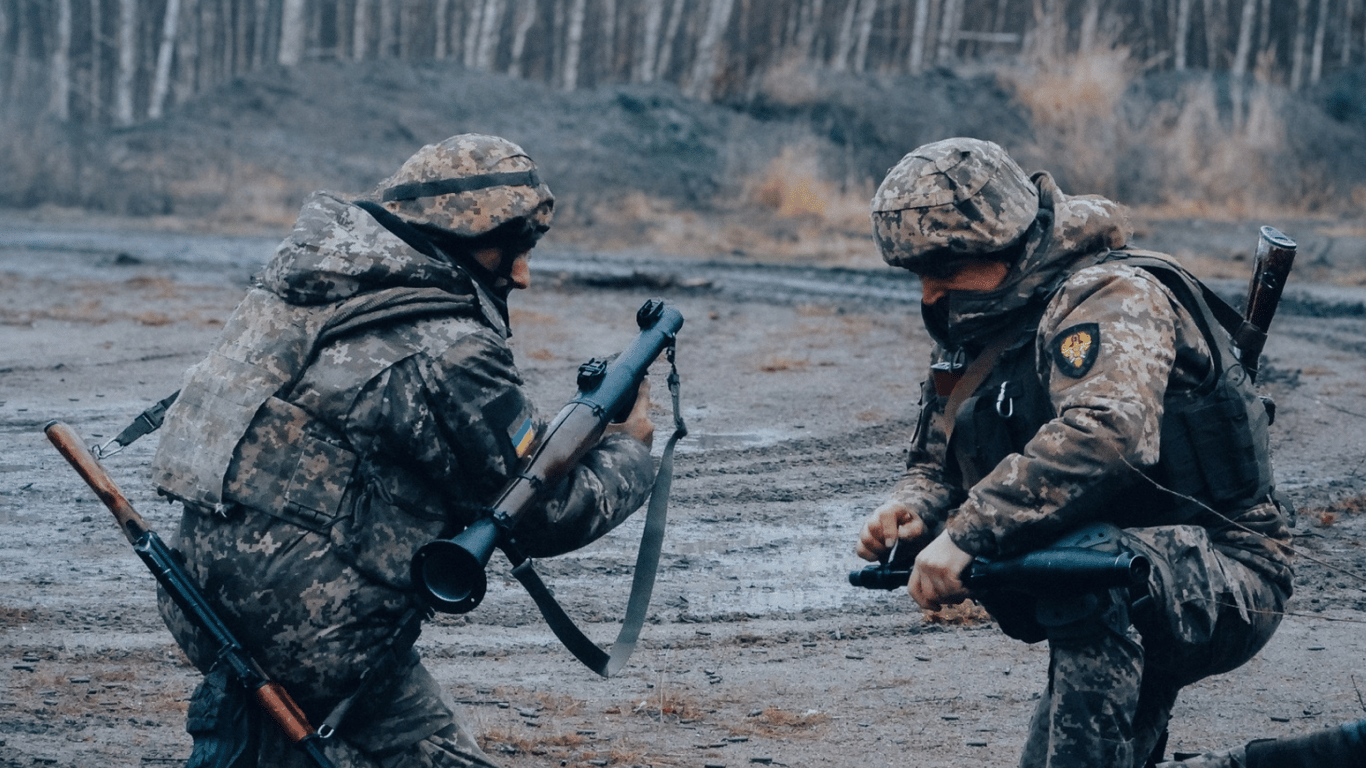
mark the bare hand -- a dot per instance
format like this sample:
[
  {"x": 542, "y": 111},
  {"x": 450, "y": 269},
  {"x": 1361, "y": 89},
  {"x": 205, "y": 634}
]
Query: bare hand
[
  {"x": 936, "y": 580},
  {"x": 889, "y": 523},
  {"x": 637, "y": 423}
]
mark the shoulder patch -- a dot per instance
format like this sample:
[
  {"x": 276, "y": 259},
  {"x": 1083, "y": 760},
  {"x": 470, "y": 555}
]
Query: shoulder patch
[{"x": 1075, "y": 349}]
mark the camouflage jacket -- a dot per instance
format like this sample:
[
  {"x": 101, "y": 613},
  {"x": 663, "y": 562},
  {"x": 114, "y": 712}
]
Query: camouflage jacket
[
  {"x": 361, "y": 401},
  {"x": 1110, "y": 342}
]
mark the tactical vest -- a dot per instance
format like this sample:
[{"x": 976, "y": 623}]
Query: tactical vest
[
  {"x": 237, "y": 398},
  {"x": 1214, "y": 439}
]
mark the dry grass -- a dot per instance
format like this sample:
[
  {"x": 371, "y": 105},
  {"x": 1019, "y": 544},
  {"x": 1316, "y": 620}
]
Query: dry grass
[
  {"x": 1330, "y": 514},
  {"x": 964, "y": 614}
]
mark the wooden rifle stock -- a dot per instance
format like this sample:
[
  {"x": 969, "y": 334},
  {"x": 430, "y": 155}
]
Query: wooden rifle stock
[{"x": 162, "y": 561}]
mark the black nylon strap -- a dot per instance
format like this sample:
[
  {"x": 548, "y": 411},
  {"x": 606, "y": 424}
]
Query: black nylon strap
[
  {"x": 642, "y": 581},
  {"x": 416, "y": 189}
]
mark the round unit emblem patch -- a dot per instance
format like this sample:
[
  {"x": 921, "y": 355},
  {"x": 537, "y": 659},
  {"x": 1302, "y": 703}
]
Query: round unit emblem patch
[{"x": 1075, "y": 349}]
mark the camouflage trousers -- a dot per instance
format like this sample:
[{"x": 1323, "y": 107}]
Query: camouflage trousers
[
  {"x": 412, "y": 727},
  {"x": 1111, "y": 690}
]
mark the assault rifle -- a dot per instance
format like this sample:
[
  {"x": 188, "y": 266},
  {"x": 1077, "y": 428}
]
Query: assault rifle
[
  {"x": 1043, "y": 572},
  {"x": 164, "y": 564}
]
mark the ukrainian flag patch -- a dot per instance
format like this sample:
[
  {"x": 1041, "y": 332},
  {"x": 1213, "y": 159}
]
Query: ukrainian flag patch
[{"x": 523, "y": 438}]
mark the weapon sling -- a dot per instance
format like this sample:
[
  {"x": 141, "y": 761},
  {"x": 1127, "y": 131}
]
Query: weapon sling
[
  {"x": 164, "y": 565},
  {"x": 642, "y": 581}
]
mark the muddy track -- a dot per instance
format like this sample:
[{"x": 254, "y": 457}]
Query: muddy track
[{"x": 799, "y": 389}]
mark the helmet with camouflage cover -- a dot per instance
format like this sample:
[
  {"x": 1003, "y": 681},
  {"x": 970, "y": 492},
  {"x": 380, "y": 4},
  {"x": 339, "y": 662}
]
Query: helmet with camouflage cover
[
  {"x": 951, "y": 200},
  {"x": 469, "y": 185}
]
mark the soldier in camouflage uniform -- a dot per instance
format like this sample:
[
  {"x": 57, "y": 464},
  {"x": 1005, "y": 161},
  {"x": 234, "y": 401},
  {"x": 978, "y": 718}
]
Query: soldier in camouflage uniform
[
  {"x": 1077, "y": 389},
  {"x": 361, "y": 401}
]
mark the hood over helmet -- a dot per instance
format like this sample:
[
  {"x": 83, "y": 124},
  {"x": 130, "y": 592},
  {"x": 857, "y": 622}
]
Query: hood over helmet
[{"x": 965, "y": 198}]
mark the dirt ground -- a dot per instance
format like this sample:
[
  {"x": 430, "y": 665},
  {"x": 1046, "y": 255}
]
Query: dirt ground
[{"x": 799, "y": 389}]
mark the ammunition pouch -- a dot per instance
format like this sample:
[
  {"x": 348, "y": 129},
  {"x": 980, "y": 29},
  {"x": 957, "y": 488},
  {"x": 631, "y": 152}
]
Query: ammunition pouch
[
  {"x": 1214, "y": 448},
  {"x": 222, "y": 721}
]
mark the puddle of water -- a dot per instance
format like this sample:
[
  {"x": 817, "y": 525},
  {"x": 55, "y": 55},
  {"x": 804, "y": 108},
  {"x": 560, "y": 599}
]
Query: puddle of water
[{"x": 711, "y": 441}]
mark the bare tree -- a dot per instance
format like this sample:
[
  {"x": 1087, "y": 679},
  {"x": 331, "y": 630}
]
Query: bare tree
[
  {"x": 867, "y": 13},
  {"x": 1297, "y": 56},
  {"x": 293, "y": 33},
  {"x": 950, "y": 21},
  {"x": 608, "y": 49},
  {"x": 125, "y": 80},
  {"x": 59, "y": 95},
  {"x": 666, "y": 50},
  {"x": 490, "y": 21},
  {"x": 522, "y": 24},
  {"x": 187, "y": 51},
  {"x": 573, "y": 44},
  {"x": 1090, "y": 25},
  {"x": 649, "y": 40},
  {"x": 161, "y": 84},
  {"x": 705, "y": 61},
  {"x": 1246, "y": 20},
  {"x": 1320, "y": 30},
  {"x": 918, "y": 32},
  {"x": 844, "y": 41},
  {"x": 810, "y": 17},
  {"x": 360, "y": 30},
  {"x": 1183, "y": 29}
]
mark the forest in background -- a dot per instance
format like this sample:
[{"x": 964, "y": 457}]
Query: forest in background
[
  {"x": 123, "y": 61},
  {"x": 779, "y": 115}
]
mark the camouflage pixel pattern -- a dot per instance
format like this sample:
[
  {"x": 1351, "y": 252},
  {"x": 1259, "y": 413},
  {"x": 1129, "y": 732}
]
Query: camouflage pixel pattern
[
  {"x": 418, "y": 413},
  {"x": 477, "y": 211},
  {"x": 1106, "y": 428},
  {"x": 951, "y": 199},
  {"x": 1108, "y": 702}
]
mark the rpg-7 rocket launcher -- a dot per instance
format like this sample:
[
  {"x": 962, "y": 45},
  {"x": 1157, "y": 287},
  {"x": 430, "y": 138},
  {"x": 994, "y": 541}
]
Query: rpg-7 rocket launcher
[{"x": 450, "y": 572}]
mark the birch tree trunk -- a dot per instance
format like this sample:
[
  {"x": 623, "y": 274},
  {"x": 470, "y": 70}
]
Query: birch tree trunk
[
  {"x": 473, "y": 23},
  {"x": 844, "y": 42},
  {"x": 812, "y": 16},
  {"x": 526, "y": 18},
  {"x": 916, "y": 63},
  {"x": 127, "y": 71},
  {"x": 95, "y": 95},
  {"x": 649, "y": 41},
  {"x": 867, "y": 13},
  {"x": 1298, "y": 54},
  {"x": 1240, "y": 55},
  {"x": 573, "y": 44},
  {"x": 360, "y": 30},
  {"x": 948, "y": 30},
  {"x": 666, "y": 51},
  {"x": 609, "y": 38},
  {"x": 161, "y": 83},
  {"x": 700, "y": 84},
  {"x": 441, "y": 26},
  {"x": 260, "y": 34},
  {"x": 1090, "y": 24},
  {"x": 59, "y": 96},
  {"x": 293, "y": 33},
  {"x": 1320, "y": 31},
  {"x": 490, "y": 23},
  {"x": 1183, "y": 24},
  {"x": 187, "y": 51},
  {"x": 1349, "y": 9}
]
